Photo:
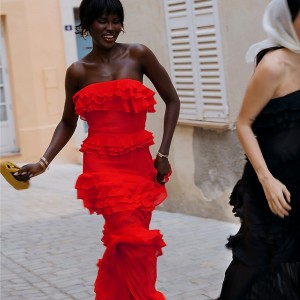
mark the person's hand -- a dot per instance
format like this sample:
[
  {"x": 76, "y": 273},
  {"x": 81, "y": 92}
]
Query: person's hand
[
  {"x": 163, "y": 168},
  {"x": 28, "y": 171},
  {"x": 277, "y": 195}
]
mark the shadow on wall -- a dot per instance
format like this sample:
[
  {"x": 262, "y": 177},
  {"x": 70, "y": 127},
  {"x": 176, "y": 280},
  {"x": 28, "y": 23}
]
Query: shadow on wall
[
  {"x": 219, "y": 162},
  {"x": 207, "y": 169}
]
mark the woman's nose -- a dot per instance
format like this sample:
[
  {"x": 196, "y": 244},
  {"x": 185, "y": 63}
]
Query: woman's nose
[{"x": 109, "y": 26}]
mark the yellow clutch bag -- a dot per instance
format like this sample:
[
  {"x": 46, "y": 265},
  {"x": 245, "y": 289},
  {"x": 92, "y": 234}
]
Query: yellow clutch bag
[{"x": 7, "y": 169}]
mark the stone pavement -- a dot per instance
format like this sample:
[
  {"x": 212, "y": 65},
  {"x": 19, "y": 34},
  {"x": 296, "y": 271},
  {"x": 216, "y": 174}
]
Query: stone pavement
[{"x": 50, "y": 245}]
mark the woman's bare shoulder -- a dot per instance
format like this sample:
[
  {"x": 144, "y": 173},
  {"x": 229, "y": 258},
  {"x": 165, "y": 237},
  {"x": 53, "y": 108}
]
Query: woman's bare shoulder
[
  {"x": 281, "y": 67},
  {"x": 272, "y": 65},
  {"x": 138, "y": 50},
  {"x": 76, "y": 69},
  {"x": 74, "y": 76},
  {"x": 274, "y": 60}
]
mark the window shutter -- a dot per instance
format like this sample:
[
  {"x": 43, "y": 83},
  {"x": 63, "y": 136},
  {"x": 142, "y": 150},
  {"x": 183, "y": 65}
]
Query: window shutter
[
  {"x": 195, "y": 59},
  {"x": 182, "y": 56}
]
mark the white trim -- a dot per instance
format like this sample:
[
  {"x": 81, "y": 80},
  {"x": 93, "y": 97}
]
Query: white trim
[
  {"x": 8, "y": 135},
  {"x": 67, "y": 16},
  {"x": 225, "y": 112}
]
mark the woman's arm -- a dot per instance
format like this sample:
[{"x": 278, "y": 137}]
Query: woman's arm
[
  {"x": 162, "y": 82},
  {"x": 262, "y": 87},
  {"x": 68, "y": 123},
  {"x": 62, "y": 133}
]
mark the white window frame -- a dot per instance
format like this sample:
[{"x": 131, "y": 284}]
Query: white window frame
[
  {"x": 196, "y": 62},
  {"x": 68, "y": 26},
  {"x": 7, "y": 127}
]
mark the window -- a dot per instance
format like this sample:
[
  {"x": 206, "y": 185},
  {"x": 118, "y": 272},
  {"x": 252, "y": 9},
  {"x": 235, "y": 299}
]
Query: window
[{"x": 196, "y": 59}]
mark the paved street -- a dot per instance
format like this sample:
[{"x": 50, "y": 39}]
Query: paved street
[{"x": 50, "y": 245}]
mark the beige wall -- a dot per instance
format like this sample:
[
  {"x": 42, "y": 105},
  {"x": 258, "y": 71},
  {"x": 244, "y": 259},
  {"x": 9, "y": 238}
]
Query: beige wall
[
  {"x": 241, "y": 26},
  {"x": 206, "y": 163},
  {"x": 36, "y": 70}
]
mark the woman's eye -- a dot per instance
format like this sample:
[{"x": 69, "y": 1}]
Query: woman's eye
[
  {"x": 101, "y": 21},
  {"x": 116, "y": 21}
]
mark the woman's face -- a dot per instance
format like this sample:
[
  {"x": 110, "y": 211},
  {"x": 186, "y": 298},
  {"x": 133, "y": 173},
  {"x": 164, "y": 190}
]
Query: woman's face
[
  {"x": 297, "y": 24},
  {"x": 105, "y": 30}
]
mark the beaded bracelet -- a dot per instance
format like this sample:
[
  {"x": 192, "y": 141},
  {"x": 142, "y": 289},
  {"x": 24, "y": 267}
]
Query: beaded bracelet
[{"x": 162, "y": 155}]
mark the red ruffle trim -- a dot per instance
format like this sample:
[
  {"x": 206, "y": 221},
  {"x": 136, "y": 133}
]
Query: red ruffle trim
[
  {"x": 128, "y": 266},
  {"x": 137, "y": 236},
  {"x": 123, "y": 192},
  {"x": 115, "y": 145},
  {"x": 125, "y": 95}
]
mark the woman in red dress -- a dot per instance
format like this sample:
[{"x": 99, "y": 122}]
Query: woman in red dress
[{"x": 119, "y": 179}]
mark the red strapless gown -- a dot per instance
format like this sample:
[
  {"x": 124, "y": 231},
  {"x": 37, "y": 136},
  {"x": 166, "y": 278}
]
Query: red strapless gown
[{"x": 118, "y": 182}]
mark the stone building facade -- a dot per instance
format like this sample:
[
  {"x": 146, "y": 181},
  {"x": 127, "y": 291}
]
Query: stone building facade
[{"x": 201, "y": 43}]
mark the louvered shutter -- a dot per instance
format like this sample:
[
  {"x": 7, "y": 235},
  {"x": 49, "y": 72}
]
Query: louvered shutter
[{"x": 196, "y": 59}]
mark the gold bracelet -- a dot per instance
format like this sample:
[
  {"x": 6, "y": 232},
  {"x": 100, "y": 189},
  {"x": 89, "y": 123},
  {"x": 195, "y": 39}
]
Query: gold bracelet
[
  {"x": 45, "y": 161},
  {"x": 43, "y": 165},
  {"x": 162, "y": 155}
]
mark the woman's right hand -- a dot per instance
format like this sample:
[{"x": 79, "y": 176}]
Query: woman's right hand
[
  {"x": 163, "y": 168},
  {"x": 28, "y": 171},
  {"x": 277, "y": 195}
]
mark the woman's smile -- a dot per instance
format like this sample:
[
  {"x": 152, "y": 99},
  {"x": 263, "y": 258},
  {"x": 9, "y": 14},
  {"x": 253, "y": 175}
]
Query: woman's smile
[
  {"x": 105, "y": 30},
  {"x": 109, "y": 37}
]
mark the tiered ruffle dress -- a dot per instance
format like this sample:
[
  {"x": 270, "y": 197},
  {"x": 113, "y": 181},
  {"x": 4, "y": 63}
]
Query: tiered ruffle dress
[
  {"x": 118, "y": 182},
  {"x": 266, "y": 249}
]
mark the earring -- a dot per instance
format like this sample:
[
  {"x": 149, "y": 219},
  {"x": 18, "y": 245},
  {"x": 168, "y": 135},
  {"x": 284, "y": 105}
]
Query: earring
[{"x": 84, "y": 33}]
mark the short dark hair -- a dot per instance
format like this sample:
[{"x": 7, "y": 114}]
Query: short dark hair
[
  {"x": 294, "y": 6},
  {"x": 90, "y": 10}
]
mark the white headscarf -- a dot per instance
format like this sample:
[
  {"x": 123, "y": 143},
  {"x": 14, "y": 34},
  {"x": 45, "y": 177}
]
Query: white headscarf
[{"x": 277, "y": 23}]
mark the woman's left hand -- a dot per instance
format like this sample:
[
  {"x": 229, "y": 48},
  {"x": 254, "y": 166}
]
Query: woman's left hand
[
  {"x": 163, "y": 168},
  {"x": 278, "y": 196}
]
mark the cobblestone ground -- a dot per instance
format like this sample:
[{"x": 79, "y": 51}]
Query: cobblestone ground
[{"x": 50, "y": 245}]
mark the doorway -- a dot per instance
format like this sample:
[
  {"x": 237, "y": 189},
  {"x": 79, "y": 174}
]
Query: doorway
[
  {"x": 76, "y": 47},
  {"x": 7, "y": 128}
]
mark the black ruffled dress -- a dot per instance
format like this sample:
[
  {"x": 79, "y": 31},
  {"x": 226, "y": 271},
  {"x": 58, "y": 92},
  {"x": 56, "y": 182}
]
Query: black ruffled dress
[{"x": 266, "y": 249}]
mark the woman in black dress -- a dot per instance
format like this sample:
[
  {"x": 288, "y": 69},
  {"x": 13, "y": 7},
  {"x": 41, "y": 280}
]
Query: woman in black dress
[{"x": 266, "y": 249}]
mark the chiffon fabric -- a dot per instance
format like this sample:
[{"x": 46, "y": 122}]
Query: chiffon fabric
[
  {"x": 118, "y": 182},
  {"x": 278, "y": 24},
  {"x": 266, "y": 249}
]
